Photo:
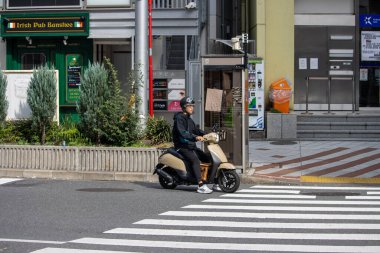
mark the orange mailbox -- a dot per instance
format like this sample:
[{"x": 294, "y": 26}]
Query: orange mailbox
[{"x": 280, "y": 94}]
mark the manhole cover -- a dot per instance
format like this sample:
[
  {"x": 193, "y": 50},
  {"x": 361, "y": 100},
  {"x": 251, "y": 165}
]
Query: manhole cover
[
  {"x": 331, "y": 194},
  {"x": 283, "y": 143},
  {"x": 104, "y": 190}
]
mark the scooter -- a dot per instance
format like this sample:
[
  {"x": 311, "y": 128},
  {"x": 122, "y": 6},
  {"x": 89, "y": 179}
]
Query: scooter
[{"x": 174, "y": 170}]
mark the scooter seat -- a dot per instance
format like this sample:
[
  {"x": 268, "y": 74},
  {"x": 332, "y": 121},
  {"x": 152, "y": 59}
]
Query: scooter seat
[{"x": 174, "y": 152}]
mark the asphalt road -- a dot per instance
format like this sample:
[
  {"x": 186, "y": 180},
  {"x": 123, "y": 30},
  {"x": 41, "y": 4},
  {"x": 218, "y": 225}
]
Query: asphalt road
[
  {"x": 46, "y": 210},
  {"x": 45, "y": 216}
]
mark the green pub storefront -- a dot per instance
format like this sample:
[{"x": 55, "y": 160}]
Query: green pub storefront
[{"x": 59, "y": 40}]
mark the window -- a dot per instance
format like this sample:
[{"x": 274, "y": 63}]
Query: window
[
  {"x": 42, "y": 3},
  {"x": 31, "y": 60}
]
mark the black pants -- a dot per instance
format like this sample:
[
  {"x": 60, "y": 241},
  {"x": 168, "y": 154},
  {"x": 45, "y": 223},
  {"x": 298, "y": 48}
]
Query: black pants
[{"x": 194, "y": 157}]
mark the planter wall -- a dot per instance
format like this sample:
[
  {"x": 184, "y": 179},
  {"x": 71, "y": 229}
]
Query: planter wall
[{"x": 79, "y": 161}]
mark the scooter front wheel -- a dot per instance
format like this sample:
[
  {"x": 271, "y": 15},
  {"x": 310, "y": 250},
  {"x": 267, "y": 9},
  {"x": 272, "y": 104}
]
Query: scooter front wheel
[
  {"x": 229, "y": 181},
  {"x": 165, "y": 183}
]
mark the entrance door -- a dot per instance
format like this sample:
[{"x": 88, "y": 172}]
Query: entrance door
[
  {"x": 230, "y": 116},
  {"x": 370, "y": 87}
]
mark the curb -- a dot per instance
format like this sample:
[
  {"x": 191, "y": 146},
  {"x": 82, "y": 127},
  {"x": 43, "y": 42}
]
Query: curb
[
  {"x": 75, "y": 175},
  {"x": 339, "y": 180}
]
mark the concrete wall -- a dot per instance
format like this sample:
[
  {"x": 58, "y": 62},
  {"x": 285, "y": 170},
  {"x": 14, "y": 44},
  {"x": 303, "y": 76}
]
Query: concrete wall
[
  {"x": 274, "y": 34},
  {"x": 324, "y": 6}
]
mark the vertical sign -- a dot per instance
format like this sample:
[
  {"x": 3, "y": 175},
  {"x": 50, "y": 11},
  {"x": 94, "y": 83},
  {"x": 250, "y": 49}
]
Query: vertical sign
[
  {"x": 256, "y": 94},
  {"x": 74, "y": 63}
]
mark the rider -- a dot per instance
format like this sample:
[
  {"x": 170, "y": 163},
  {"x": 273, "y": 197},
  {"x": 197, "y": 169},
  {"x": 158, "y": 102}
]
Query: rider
[{"x": 185, "y": 135}]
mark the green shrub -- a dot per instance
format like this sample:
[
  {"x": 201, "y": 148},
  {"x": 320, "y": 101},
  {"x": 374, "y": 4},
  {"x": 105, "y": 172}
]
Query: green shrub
[
  {"x": 158, "y": 130},
  {"x": 42, "y": 99},
  {"x": 66, "y": 134},
  {"x": 18, "y": 132},
  {"x": 3, "y": 99}
]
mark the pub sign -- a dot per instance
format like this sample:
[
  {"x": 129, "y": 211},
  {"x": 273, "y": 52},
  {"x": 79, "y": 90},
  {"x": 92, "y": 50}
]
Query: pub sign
[{"x": 60, "y": 24}]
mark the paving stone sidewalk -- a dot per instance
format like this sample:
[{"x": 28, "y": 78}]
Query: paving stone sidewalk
[{"x": 346, "y": 161}]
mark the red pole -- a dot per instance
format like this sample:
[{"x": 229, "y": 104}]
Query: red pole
[{"x": 150, "y": 59}]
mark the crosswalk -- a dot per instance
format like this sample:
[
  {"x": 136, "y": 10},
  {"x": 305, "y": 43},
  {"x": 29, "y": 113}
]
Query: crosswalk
[
  {"x": 262, "y": 218},
  {"x": 4, "y": 181}
]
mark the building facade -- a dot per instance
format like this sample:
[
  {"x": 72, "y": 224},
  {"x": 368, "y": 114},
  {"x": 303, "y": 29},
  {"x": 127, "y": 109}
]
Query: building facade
[{"x": 70, "y": 33}]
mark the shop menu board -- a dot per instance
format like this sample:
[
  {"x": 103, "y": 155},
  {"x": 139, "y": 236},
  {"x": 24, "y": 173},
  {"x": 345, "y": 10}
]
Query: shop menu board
[
  {"x": 256, "y": 94},
  {"x": 167, "y": 94},
  {"x": 73, "y": 71}
]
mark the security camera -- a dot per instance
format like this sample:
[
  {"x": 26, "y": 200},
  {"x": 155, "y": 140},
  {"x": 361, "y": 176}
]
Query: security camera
[{"x": 191, "y": 5}]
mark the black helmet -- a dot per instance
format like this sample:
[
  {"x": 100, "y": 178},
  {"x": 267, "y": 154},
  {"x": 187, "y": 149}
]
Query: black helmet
[{"x": 186, "y": 101}]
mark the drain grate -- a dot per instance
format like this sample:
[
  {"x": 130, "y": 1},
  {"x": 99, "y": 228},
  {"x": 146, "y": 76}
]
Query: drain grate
[
  {"x": 331, "y": 194},
  {"x": 104, "y": 190},
  {"x": 283, "y": 143}
]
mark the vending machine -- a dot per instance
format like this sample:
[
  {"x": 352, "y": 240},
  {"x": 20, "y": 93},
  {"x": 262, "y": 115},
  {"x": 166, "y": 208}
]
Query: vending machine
[{"x": 256, "y": 94}]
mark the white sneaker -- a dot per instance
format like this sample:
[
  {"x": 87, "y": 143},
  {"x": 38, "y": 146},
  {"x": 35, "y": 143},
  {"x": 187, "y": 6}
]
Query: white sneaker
[
  {"x": 204, "y": 189},
  {"x": 216, "y": 188}
]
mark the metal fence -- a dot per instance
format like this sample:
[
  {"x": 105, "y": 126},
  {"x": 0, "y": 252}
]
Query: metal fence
[
  {"x": 171, "y": 4},
  {"x": 83, "y": 159}
]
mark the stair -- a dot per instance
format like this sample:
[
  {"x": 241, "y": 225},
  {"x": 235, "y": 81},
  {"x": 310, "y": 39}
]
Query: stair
[{"x": 344, "y": 127}]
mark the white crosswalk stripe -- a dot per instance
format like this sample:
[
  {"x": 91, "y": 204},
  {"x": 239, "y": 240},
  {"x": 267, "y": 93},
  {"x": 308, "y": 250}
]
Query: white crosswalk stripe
[
  {"x": 9, "y": 180},
  {"x": 272, "y": 218}
]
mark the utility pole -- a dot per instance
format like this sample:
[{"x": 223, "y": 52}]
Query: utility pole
[{"x": 141, "y": 56}]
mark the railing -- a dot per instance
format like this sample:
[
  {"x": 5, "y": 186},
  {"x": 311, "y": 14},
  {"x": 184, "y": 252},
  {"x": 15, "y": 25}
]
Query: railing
[
  {"x": 172, "y": 4},
  {"x": 330, "y": 79},
  {"x": 78, "y": 159}
]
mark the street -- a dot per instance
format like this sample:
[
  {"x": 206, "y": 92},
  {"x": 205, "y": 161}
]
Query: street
[{"x": 46, "y": 216}]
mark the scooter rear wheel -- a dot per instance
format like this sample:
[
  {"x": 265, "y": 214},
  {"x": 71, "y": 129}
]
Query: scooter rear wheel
[
  {"x": 166, "y": 184},
  {"x": 229, "y": 181}
]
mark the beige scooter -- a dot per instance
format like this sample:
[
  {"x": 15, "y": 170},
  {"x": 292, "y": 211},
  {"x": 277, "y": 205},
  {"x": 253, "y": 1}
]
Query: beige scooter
[{"x": 173, "y": 169}]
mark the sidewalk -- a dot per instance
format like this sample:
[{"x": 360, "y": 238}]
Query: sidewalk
[{"x": 316, "y": 161}]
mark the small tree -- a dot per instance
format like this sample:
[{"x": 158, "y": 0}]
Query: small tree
[
  {"x": 93, "y": 93},
  {"x": 42, "y": 99},
  {"x": 106, "y": 116},
  {"x": 3, "y": 98}
]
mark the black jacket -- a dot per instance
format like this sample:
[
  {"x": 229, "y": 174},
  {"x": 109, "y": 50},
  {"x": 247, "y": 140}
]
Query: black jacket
[{"x": 185, "y": 131}]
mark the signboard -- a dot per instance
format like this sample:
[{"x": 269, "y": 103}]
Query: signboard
[
  {"x": 176, "y": 84},
  {"x": 176, "y": 94},
  {"x": 18, "y": 83},
  {"x": 368, "y": 20},
  {"x": 160, "y": 105},
  {"x": 214, "y": 100},
  {"x": 370, "y": 44},
  {"x": 174, "y": 106},
  {"x": 256, "y": 94},
  {"x": 74, "y": 65},
  {"x": 13, "y": 25}
]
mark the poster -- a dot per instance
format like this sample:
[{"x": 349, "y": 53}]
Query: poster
[
  {"x": 363, "y": 74},
  {"x": 314, "y": 64},
  {"x": 174, "y": 106},
  {"x": 214, "y": 100},
  {"x": 370, "y": 45},
  {"x": 302, "y": 63},
  {"x": 176, "y": 94}
]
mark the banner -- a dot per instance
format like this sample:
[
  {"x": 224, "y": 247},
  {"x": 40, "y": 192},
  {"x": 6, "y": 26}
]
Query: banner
[{"x": 370, "y": 46}]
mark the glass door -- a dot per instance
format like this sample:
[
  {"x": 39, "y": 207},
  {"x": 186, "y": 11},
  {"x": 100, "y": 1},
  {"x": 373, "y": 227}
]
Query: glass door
[
  {"x": 370, "y": 87},
  {"x": 230, "y": 116}
]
